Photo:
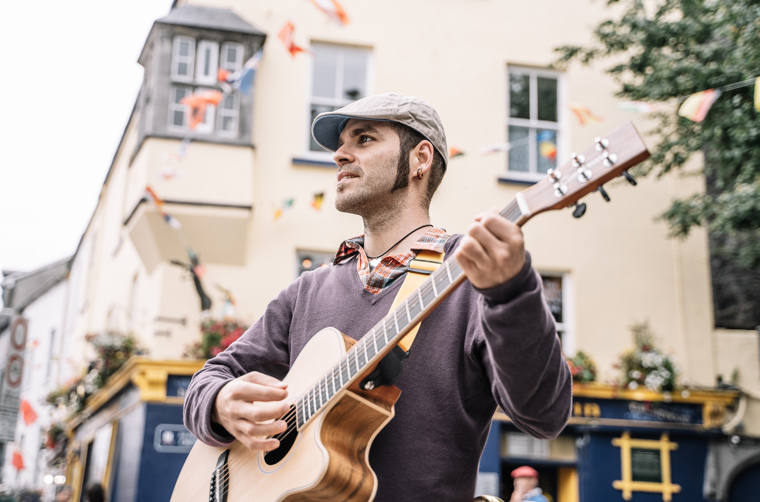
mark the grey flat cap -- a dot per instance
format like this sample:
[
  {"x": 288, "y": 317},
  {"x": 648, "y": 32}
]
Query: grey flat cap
[{"x": 392, "y": 107}]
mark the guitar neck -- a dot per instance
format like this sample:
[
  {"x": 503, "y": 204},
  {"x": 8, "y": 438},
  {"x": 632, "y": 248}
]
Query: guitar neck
[{"x": 386, "y": 334}]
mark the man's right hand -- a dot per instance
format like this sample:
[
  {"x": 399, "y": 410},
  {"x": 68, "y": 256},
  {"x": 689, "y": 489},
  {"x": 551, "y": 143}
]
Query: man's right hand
[{"x": 248, "y": 407}]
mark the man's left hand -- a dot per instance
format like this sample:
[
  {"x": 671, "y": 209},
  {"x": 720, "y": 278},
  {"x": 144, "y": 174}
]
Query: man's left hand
[{"x": 492, "y": 252}]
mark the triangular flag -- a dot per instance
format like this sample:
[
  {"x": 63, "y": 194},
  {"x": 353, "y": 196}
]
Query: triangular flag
[
  {"x": 455, "y": 152},
  {"x": 697, "y": 105},
  {"x": 585, "y": 116},
  {"x": 18, "y": 460},
  {"x": 30, "y": 416},
  {"x": 197, "y": 104},
  {"x": 333, "y": 10},
  {"x": 286, "y": 36},
  {"x": 318, "y": 199},
  {"x": 222, "y": 75},
  {"x": 640, "y": 106},
  {"x": 757, "y": 94},
  {"x": 498, "y": 147},
  {"x": 243, "y": 80},
  {"x": 548, "y": 150}
]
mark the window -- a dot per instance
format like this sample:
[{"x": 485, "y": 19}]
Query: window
[
  {"x": 182, "y": 59},
  {"x": 533, "y": 124},
  {"x": 312, "y": 260},
  {"x": 232, "y": 57},
  {"x": 556, "y": 293},
  {"x": 228, "y": 115},
  {"x": 178, "y": 112},
  {"x": 339, "y": 76},
  {"x": 207, "y": 62}
]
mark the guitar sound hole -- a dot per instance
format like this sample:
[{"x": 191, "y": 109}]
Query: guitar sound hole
[{"x": 286, "y": 443}]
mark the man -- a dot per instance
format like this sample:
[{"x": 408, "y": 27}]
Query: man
[
  {"x": 491, "y": 342},
  {"x": 526, "y": 486}
]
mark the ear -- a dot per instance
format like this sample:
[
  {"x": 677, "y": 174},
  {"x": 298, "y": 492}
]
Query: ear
[{"x": 421, "y": 157}]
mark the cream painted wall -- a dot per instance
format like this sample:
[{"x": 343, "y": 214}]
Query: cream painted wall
[{"x": 454, "y": 54}]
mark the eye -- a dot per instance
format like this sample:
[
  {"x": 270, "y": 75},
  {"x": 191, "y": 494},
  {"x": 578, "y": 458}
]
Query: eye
[{"x": 364, "y": 138}]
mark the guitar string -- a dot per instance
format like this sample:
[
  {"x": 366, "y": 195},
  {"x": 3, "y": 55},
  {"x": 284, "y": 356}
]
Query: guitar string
[{"x": 512, "y": 212}]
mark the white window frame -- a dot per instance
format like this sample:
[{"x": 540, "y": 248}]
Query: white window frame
[
  {"x": 177, "y": 107},
  {"x": 209, "y": 120},
  {"x": 212, "y": 48},
  {"x": 533, "y": 123},
  {"x": 567, "y": 326},
  {"x": 189, "y": 59},
  {"x": 239, "y": 49},
  {"x": 234, "y": 113},
  {"x": 326, "y": 256},
  {"x": 337, "y": 102}
]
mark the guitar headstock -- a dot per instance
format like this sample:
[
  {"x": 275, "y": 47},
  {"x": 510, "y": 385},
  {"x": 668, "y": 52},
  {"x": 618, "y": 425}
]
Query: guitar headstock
[{"x": 611, "y": 156}]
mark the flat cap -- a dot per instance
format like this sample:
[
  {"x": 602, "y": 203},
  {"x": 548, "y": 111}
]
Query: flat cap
[
  {"x": 525, "y": 472},
  {"x": 391, "y": 107}
]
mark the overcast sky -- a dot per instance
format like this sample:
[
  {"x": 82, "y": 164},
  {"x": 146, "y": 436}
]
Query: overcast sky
[{"x": 70, "y": 79}]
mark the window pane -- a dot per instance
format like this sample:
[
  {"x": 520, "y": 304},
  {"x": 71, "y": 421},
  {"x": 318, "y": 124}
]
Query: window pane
[
  {"x": 182, "y": 69},
  {"x": 227, "y": 123},
  {"x": 519, "y": 96},
  {"x": 229, "y": 103},
  {"x": 325, "y": 71},
  {"x": 207, "y": 62},
  {"x": 316, "y": 110},
  {"x": 231, "y": 55},
  {"x": 547, "y": 99},
  {"x": 179, "y": 118},
  {"x": 553, "y": 295},
  {"x": 518, "y": 153},
  {"x": 184, "y": 48},
  {"x": 179, "y": 93},
  {"x": 546, "y": 149},
  {"x": 354, "y": 75}
]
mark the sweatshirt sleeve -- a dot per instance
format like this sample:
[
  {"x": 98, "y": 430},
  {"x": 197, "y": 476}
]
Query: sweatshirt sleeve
[
  {"x": 522, "y": 357},
  {"x": 263, "y": 347}
]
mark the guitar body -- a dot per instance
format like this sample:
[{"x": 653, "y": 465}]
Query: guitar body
[{"x": 327, "y": 461}]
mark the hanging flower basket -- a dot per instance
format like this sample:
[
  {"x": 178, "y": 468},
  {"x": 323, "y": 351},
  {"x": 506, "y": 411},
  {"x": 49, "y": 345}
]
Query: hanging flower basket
[
  {"x": 216, "y": 336},
  {"x": 582, "y": 368},
  {"x": 645, "y": 365}
]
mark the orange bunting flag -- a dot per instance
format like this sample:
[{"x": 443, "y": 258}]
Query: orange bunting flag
[
  {"x": 197, "y": 104},
  {"x": 30, "y": 416},
  {"x": 222, "y": 75},
  {"x": 455, "y": 152},
  {"x": 585, "y": 116},
  {"x": 18, "y": 460},
  {"x": 333, "y": 10},
  {"x": 697, "y": 105},
  {"x": 286, "y": 206},
  {"x": 318, "y": 199},
  {"x": 548, "y": 150},
  {"x": 286, "y": 36}
]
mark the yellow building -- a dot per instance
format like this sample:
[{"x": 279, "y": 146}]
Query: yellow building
[{"x": 484, "y": 65}]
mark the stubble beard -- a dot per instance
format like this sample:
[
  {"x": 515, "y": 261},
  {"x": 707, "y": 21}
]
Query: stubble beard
[{"x": 374, "y": 196}]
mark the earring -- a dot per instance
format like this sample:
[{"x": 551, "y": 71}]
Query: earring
[{"x": 419, "y": 173}]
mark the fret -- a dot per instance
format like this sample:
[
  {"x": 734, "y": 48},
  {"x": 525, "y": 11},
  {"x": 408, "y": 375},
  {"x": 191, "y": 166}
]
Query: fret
[
  {"x": 299, "y": 414},
  {"x": 429, "y": 297},
  {"x": 448, "y": 271},
  {"x": 442, "y": 279},
  {"x": 374, "y": 340},
  {"x": 395, "y": 321},
  {"x": 323, "y": 390},
  {"x": 385, "y": 333},
  {"x": 332, "y": 377},
  {"x": 419, "y": 294},
  {"x": 415, "y": 309},
  {"x": 406, "y": 302},
  {"x": 314, "y": 401},
  {"x": 432, "y": 281},
  {"x": 340, "y": 373},
  {"x": 310, "y": 408},
  {"x": 356, "y": 359}
]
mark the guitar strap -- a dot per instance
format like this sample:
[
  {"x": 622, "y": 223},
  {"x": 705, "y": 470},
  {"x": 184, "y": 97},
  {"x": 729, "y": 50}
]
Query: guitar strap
[{"x": 389, "y": 368}]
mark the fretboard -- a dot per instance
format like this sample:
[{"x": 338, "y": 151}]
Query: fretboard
[{"x": 381, "y": 339}]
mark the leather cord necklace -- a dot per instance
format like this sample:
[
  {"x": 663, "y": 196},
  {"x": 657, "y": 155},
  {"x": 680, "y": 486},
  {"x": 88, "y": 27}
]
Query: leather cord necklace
[{"x": 397, "y": 243}]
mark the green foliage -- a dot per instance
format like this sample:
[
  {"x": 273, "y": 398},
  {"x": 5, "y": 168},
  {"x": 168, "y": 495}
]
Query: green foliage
[
  {"x": 216, "y": 336},
  {"x": 582, "y": 367},
  {"x": 646, "y": 365},
  {"x": 673, "y": 48}
]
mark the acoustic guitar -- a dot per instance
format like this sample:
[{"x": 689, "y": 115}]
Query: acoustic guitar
[{"x": 323, "y": 455}]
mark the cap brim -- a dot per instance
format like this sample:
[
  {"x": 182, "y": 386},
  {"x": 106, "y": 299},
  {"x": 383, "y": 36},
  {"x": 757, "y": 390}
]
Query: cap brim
[{"x": 326, "y": 129}]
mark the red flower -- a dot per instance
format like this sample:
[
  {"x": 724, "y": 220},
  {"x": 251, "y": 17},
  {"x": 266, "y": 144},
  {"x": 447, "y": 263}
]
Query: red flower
[{"x": 215, "y": 351}]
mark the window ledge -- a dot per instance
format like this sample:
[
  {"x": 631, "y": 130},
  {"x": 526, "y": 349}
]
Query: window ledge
[
  {"x": 306, "y": 161},
  {"x": 514, "y": 180}
]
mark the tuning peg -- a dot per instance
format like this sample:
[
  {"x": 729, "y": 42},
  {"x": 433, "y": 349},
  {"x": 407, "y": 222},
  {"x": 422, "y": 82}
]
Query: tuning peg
[
  {"x": 578, "y": 160},
  {"x": 604, "y": 193},
  {"x": 630, "y": 179},
  {"x": 609, "y": 158},
  {"x": 580, "y": 209},
  {"x": 601, "y": 144}
]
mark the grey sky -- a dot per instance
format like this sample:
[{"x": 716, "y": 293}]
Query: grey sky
[{"x": 70, "y": 79}]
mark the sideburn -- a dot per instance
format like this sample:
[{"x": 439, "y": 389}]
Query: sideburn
[{"x": 402, "y": 174}]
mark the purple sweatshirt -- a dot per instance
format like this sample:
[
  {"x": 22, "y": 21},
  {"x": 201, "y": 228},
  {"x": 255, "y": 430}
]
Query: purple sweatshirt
[{"x": 477, "y": 350}]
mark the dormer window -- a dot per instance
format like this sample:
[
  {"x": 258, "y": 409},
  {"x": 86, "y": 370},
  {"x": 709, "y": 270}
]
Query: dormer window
[
  {"x": 183, "y": 57},
  {"x": 232, "y": 57}
]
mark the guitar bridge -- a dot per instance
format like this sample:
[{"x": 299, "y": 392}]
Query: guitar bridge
[{"x": 220, "y": 479}]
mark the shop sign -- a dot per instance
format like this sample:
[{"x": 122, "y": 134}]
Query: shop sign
[
  {"x": 12, "y": 379},
  {"x": 173, "y": 438},
  {"x": 645, "y": 411}
]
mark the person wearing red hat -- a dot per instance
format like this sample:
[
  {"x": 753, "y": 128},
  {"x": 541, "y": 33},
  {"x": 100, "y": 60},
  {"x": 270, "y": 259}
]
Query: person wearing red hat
[{"x": 526, "y": 486}]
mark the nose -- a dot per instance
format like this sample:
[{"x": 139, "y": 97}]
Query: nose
[{"x": 343, "y": 156}]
